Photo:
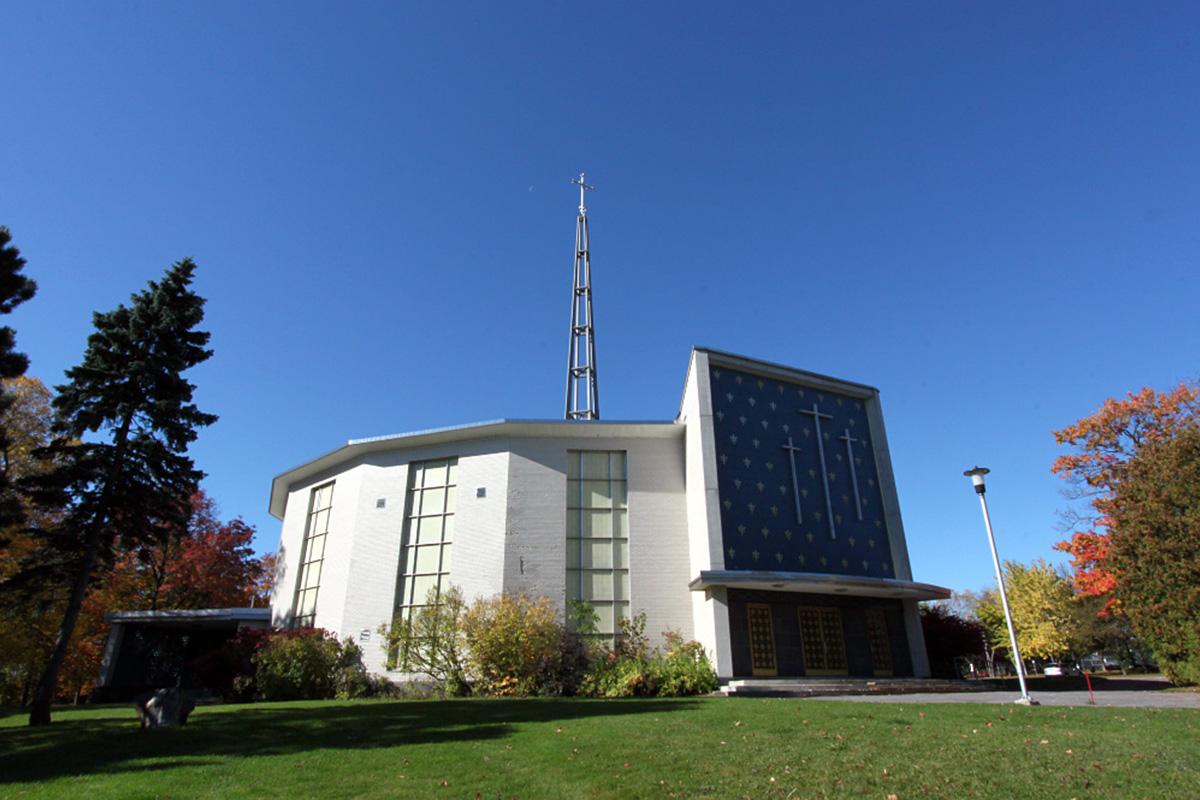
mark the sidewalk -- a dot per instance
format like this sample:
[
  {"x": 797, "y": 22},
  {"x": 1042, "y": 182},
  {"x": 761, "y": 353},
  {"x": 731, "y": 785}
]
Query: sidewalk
[{"x": 1132, "y": 692}]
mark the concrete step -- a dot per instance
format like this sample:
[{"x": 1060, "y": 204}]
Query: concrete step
[{"x": 832, "y": 687}]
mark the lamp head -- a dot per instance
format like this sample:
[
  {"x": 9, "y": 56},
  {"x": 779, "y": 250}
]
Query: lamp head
[{"x": 976, "y": 475}]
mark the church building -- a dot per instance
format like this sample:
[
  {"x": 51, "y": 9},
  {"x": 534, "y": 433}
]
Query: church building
[{"x": 761, "y": 520}]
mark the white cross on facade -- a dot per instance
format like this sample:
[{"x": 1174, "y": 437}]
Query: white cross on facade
[
  {"x": 791, "y": 451},
  {"x": 848, "y": 439},
  {"x": 817, "y": 417}
]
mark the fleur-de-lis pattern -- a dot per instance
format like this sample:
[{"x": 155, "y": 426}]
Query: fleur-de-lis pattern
[{"x": 772, "y": 407}]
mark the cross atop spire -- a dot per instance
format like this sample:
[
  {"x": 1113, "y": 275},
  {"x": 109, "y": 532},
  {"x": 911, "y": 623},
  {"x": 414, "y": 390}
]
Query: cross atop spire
[{"x": 583, "y": 187}]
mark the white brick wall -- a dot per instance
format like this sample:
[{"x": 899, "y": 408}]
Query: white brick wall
[
  {"x": 512, "y": 539},
  {"x": 374, "y": 559},
  {"x": 335, "y": 572},
  {"x": 477, "y": 568},
  {"x": 477, "y": 552}
]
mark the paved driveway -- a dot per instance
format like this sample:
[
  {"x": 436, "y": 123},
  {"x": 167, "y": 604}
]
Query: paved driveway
[{"x": 1139, "y": 692}]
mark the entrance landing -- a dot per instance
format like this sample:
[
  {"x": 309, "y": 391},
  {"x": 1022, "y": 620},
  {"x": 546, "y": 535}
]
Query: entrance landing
[{"x": 830, "y": 687}]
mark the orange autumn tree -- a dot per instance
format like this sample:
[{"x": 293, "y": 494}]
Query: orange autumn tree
[
  {"x": 210, "y": 564},
  {"x": 213, "y": 565},
  {"x": 1103, "y": 445}
]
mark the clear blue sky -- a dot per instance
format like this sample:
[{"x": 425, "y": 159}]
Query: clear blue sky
[{"x": 988, "y": 213}]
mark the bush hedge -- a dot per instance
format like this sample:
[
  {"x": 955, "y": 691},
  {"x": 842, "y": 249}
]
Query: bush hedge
[{"x": 504, "y": 646}]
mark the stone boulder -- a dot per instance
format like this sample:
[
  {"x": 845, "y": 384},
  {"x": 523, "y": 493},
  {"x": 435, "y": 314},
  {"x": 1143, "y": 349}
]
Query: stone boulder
[{"x": 164, "y": 708}]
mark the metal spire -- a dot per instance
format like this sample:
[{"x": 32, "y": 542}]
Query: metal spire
[{"x": 583, "y": 400}]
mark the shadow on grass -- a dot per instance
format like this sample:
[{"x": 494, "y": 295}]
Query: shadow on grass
[
  {"x": 88, "y": 746},
  {"x": 1077, "y": 683}
]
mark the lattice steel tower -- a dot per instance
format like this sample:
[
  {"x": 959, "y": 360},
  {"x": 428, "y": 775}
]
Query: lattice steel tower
[{"x": 583, "y": 400}]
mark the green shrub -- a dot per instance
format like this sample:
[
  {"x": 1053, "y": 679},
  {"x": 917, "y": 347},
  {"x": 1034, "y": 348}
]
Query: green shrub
[
  {"x": 518, "y": 647},
  {"x": 632, "y": 669},
  {"x": 300, "y": 664},
  {"x": 350, "y": 679},
  {"x": 514, "y": 646},
  {"x": 432, "y": 642},
  {"x": 621, "y": 676},
  {"x": 685, "y": 668}
]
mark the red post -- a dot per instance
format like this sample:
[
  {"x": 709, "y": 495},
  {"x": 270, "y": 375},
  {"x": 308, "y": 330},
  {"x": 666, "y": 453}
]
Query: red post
[{"x": 1091, "y": 695}]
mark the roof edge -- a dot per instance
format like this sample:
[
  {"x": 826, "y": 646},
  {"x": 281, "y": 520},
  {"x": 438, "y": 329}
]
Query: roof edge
[
  {"x": 818, "y": 582},
  {"x": 276, "y": 502},
  {"x": 777, "y": 370}
]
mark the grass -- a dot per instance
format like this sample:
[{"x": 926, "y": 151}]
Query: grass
[{"x": 711, "y": 747}]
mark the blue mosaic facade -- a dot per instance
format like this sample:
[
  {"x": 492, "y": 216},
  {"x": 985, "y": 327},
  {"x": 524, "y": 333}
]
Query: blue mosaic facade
[{"x": 754, "y": 418}]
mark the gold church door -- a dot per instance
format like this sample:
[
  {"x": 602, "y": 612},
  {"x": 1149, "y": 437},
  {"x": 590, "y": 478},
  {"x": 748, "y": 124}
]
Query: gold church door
[
  {"x": 881, "y": 648},
  {"x": 762, "y": 640},
  {"x": 823, "y": 641}
]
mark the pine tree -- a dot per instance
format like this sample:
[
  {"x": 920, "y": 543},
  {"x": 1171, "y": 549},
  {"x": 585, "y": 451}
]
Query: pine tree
[
  {"x": 15, "y": 289},
  {"x": 123, "y": 424}
]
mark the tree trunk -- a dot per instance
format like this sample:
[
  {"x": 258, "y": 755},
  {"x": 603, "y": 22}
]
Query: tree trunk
[
  {"x": 43, "y": 696},
  {"x": 159, "y": 575}
]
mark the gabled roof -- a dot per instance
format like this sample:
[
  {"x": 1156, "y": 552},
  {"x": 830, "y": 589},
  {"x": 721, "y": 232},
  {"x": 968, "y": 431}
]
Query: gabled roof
[{"x": 533, "y": 428}]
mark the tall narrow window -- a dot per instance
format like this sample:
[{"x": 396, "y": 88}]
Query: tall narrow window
[
  {"x": 598, "y": 535},
  {"x": 312, "y": 556},
  {"x": 428, "y": 532}
]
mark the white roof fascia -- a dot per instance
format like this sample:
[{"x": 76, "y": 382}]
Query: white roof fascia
[
  {"x": 818, "y": 583},
  {"x": 193, "y": 614},
  {"x": 532, "y": 428}
]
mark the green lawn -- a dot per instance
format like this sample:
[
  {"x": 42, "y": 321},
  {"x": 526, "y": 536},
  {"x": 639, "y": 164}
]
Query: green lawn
[{"x": 719, "y": 748}]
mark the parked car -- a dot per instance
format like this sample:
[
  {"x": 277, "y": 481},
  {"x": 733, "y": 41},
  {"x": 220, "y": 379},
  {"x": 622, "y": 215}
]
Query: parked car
[
  {"x": 1060, "y": 668},
  {"x": 1099, "y": 662}
]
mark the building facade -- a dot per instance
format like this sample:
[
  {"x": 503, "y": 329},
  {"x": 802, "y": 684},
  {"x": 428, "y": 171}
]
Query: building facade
[{"x": 762, "y": 521}]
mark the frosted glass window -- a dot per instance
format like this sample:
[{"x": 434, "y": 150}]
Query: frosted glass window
[
  {"x": 433, "y": 501},
  {"x": 596, "y": 494},
  {"x": 428, "y": 530},
  {"x": 429, "y": 558},
  {"x": 597, "y": 585},
  {"x": 596, "y": 524},
  {"x": 312, "y": 556},
  {"x": 595, "y": 464},
  {"x": 596, "y": 555},
  {"x": 435, "y": 474},
  {"x": 598, "y": 534}
]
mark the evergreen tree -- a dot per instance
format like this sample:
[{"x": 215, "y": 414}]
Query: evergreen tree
[
  {"x": 121, "y": 476},
  {"x": 15, "y": 289}
]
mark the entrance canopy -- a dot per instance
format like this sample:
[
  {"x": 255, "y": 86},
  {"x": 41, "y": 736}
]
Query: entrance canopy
[{"x": 817, "y": 583}]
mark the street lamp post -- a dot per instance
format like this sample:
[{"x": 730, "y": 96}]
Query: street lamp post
[{"x": 976, "y": 475}]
